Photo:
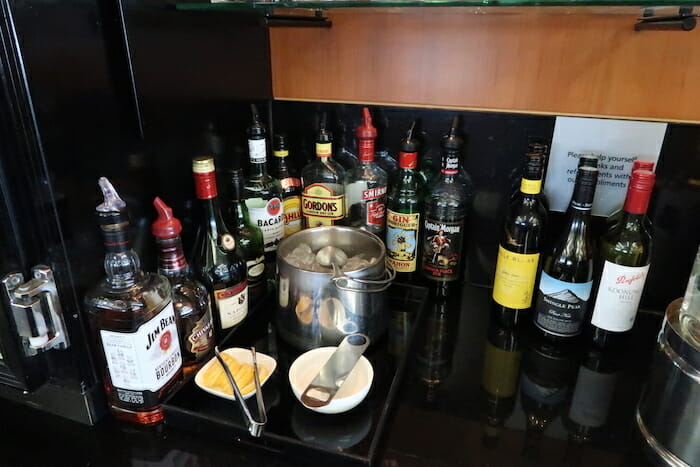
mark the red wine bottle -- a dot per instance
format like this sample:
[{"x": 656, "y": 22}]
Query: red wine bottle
[{"x": 215, "y": 260}]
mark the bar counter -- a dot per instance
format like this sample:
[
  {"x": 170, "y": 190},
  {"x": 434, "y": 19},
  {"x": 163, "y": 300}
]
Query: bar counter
[{"x": 474, "y": 393}]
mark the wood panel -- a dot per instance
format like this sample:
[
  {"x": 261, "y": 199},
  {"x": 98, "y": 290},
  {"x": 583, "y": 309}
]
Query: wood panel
[{"x": 534, "y": 60}]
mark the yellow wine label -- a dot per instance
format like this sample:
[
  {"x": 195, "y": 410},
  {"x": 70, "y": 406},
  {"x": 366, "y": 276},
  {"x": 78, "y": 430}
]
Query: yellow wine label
[
  {"x": 323, "y": 149},
  {"x": 282, "y": 153},
  {"x": 515, "y": 278},
  {"x": 501, "y": 369},
  {"x": 530, "y": 187},
  {"x": 401, "y": 240},
  {"x": 320, "y": 206},
  {"x": 292, "y": 215}
]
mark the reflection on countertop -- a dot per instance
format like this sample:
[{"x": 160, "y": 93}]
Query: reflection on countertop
[{"x": 474, "y": 393}]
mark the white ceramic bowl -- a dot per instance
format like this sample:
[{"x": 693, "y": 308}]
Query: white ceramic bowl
[
  {"x": 242, "y": 356},
  {"x": 351, "y": 393}
]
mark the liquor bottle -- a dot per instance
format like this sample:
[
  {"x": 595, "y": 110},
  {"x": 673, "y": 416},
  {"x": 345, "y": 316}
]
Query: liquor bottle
[
  {"x": 366, "y": 184},
  {"x": 134, "y": 322},
  {"x": 625, "y": 252},
  {"x": 291, "y": 187},
  {"x": 263, "y": 193},
  {"x": 445, "y": 212},
  {"x": 522, "y": 244},
  {"x": 190, "y": 298},
  {"x": 567, "y": 274},
  {"x": 592, "y": 395},
  {"x": 499, "y": 378},
  {"x": 323, "y": 198},
  {"x": 249, "y": 238},
  {"x": 403, "y": 212},
  {"x": 534, "y": 146},
  {"x": 215, "y": 260},
  {"x": 614, "y": 218}
]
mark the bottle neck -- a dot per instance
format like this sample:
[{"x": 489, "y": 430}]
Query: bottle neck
[
  {"x": 366, "y": 150},
  {"x": 530, "y": 187},
  {"x": 637, "y": 202},
  {"x": 281, "y": 159},
  {"x": 122, "y": 267},
  {"x": 171, "y": 257},
  {"x": 323, "y": 151},
  {"x": 450, "y": 164},
  {"x": 257, "y": 150}
]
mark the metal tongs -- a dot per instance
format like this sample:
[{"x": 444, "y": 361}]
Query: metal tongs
[{"x": 255, "y": 427}]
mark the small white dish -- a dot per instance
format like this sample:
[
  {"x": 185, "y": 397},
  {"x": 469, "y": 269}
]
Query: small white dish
[
  {"x": 351, "y": 393},
  {"x": 242, "y": 356}
]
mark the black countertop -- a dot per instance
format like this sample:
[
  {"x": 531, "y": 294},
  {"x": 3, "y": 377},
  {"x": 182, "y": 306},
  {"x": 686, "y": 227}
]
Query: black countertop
[{"x": 443, "y": 415}]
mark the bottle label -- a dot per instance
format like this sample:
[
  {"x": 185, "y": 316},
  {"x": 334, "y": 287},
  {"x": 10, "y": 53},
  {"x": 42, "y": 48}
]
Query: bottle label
[
  {"x": 292, "y": 215},
  {"x": 201, "y": 339},
  {"x": 282, "y": 153},
  {"x": 376, "y": 205},
  {"x": 593, "y": 393},
  {"x": 402, "y": 240},
  {"x": 530, "y": 187},
  {"x": 515, "y": 277},
  {"x": 441, "y": 249},
  {"x": 257, "y": 150},
  {"x": 501, "y": 370},
  {"x": 255, "y": 268},
  {"x": 232, "y": 304},
  {"x": 269, "y": 219},
  {"x": 618, "y": 296},
  {"x": 366, "y": 150},
  {"x": 146, "y": 359},
  {"x": 561, "y": 306},
  {"x": 323, "y": 149},
  {"x": 320, "y": 206},
  {"x": 290, "y": 182},
  {"x": 451, "y": 165},
  {"x": 408, "y": 160}
]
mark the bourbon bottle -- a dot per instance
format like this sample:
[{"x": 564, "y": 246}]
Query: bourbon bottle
[{"x": 134, "y": 323}]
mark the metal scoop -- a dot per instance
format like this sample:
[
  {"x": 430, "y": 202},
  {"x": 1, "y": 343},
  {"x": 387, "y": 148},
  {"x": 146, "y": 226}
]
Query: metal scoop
[
  {"x": 335, "y": 371},
  {"x": 255, "y": 427}
]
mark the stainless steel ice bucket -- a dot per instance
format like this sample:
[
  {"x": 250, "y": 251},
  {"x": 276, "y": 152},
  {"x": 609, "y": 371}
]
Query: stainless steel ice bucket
[
  {"x": 668, "y": 414},
  {"x": 317, "y": 309}
]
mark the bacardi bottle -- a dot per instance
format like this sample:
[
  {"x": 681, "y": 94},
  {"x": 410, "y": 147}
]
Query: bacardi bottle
[{"x": 134, "y": 322}]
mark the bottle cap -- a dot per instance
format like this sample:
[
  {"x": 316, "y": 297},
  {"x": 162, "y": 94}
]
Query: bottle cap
[
  {"x": 639, "y": 191},
  {"x": 113, "y": 218},
  {"x": 408, "y": 157},
  {"x": 203, "y": 164},
  {"x": 236, "y": 178},
  {"x": 324, "y": 135},
  {"x": 639, "y": 164},
  {"x": 588, "y": 159},
  {"x": 534, "y": 163},
  {"x": 366, "y": 130},
  {"x": 584, "y": 190},
  {"x": 256, "y": 130},
  {"x": 279, "y": 142},
  {"x": 166, "y": 225},
  {"x": 410, "y": 144},
  {"x": 642, "y": 180},
  {"x": 451, "y": 140}
]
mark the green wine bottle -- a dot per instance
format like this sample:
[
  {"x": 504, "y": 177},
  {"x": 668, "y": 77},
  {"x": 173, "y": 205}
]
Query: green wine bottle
[{"x": 403, "y": 212}]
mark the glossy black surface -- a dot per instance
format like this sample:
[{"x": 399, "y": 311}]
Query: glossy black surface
[{"x": 439, "y": 417}]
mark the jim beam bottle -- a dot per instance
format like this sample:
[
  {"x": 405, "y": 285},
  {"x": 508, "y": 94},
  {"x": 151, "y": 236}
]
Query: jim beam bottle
[
  {"x": 323, "y": 198},
  {"x": 134, "y": 322}
]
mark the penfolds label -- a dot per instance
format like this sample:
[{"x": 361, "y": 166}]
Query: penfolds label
[
  {"x": 618, "y": 297},
  {"x": 561, "y": 306},
  {"x": 442, "y": 246},
  {"x": 402, "y": 240},
  {"x": 270, "y": 220},
  {"x": 373, "y": 193},
  {"x": 143, "y": 360},
  {"x": 232, "y": 304}
]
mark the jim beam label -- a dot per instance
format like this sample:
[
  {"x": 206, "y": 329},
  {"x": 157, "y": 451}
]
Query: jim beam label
[
  {"x": 402, "y": 240},
  {"x": 376, "y": 205},
  {"x": 292, "y": 215},
  {"x": 561, "y": 306},
  {"x": 270, "y": 220},
  {"x": 442, "y": 246},
  {"x": 201, "y": 339},
  {"x": 143, "y": 360},
  {"x": 320, "y": 206},
  {"x": 232, "y": 304}
]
